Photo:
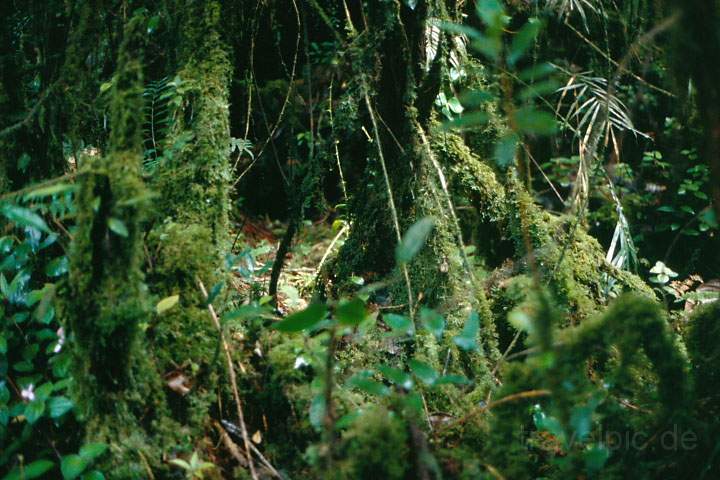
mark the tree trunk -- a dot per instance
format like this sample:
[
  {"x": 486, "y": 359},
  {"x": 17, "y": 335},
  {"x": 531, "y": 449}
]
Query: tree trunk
[
  {"x": 126, "y": 353},
  {"x": 404, "y": 181}
]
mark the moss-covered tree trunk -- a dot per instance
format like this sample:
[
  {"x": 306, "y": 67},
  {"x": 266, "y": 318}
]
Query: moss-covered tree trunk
[
  {"x": 399, "y": 60},
  {"x": 107, "y": 299},
  {"x": 137, "y": 244}
]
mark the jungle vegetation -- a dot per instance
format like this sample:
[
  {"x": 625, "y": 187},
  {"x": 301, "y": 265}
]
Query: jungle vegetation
[{"x": 350, "y": 239}]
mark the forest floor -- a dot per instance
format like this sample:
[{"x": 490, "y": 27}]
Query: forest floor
[{"x": 312, "y": 246}]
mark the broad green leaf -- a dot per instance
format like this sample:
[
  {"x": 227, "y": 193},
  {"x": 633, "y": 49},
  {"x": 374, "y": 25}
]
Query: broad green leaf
[
  {"x": 179, "y": 462},
  {"x": 455, "y": 105},
  {"x": 4, "y": 393},
  {"x": 106, "y": 86},
  {"x": 414, "y": 239},
  {"x": 399, "y": 323},
  {"x": 475, "y": 98},
  {"x": 34, "y": 410},
  {"x": 167, "y": 303},
  {"x": 369, "y": 386},
  {"x": 492, "y": 13},
  {"x": 433, "y": 321},
  {"x": 348, "y": 419},
  {"x": 32, "y": 470},
  {"x": 317, "y": 411},
  {"x": 303, "y": 319},
  {"x": 468, "y": 121},
  {"x": 43, "y": 391},
  {"x": 533, "y": 121},
  {"x": 72, "y": 466},
  {"x": 581, "y": 422},
  {"x": 59, "y": 406},
  {"x": 23, "y": 366},
  {"x": 467, "y": 340},
  {"x": 117, "y": 226},
  {"x": 153, "y": 23},
  {"x": 214, "y": 292},
  {"x": 457, "y": 28},
  {"x": 452, "y": 380},
  {"x": 248, "y": 311},
  {"x": 536, "y": 72},
  {"x": 523, "y": 39},
  {"x": 505, "y": 150},
  {"x": 539, "y": 89},
  {"x": 548, "y": 423},
  {"x": 91, "y": 451},
  {"x": 490, "y": 46},
  {"x": 57, "y": 267},
  {"x": 424, "y": 372},
  {"x": 397, "y": 376},
  {"x": 351, "y": 312},
  {"x": 94, "y": 475},
  {"x": 24, "y": 217},
  {"x": 3, "y": 345},
  {"x": 51, "y": 190},
  {"x": 6, "y": 244},
  {"x": 596, "y": 457},
  {"x": 411, "y": 4}
]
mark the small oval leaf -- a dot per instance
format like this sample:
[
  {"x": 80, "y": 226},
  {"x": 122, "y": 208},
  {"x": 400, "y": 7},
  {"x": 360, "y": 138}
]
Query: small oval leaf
[
  {"x": 414, "y": 239},
  {"x": 167, "y": 303},
  {"x": 303, "y": 319}
]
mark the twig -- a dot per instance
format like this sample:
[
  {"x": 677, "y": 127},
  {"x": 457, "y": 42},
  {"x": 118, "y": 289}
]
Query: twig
[
  {"x": 335, "y": 144},
  {"x": 450, "y": 206},
  {"x": 506, "y": 353},
  {"x": 552, "y": 185},
  {"x": 510, "y": 398},
  {"x": 233, "y": 380},
  {"x": 225, "y": 437},
  {"x": 620, "y": 66},
  {"x": 284, "y": 105},
  {"x": 391, "y": 200},
  {"x": 30, "y": 114},
  {"x": 329, "y": 249}
]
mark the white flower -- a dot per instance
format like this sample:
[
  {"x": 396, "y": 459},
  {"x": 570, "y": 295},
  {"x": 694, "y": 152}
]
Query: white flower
[
  {"x": 300, "y": 362},
  {"x": 61, "y": 340},
  {"x": 28, "y": 393}
]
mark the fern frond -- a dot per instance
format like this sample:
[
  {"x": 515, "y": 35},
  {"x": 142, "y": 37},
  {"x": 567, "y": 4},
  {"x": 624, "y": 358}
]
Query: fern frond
[{"x": 160, "y": 106}]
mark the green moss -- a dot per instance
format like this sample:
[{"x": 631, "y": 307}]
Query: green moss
[
  {"x": 119, "y": 390},
  {"x": 629, "y": 347},
  {"x": 194, "y": 184},
  {"x": 703, "y": 349},
  {"x": 107, "y": 295},
  {"x": 376, "y": 446}
]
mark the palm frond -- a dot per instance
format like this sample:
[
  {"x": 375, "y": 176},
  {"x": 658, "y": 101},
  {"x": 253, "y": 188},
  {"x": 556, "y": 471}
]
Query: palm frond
[
  {"x": 565, "y": 8},
  {"x": 589, "y": 97},
  {"x": 622, "y": 253}
]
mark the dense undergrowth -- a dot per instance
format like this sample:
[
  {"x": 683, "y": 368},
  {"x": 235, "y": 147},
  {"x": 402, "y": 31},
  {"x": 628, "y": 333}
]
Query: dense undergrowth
[{"x": 391, "y": 239}]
